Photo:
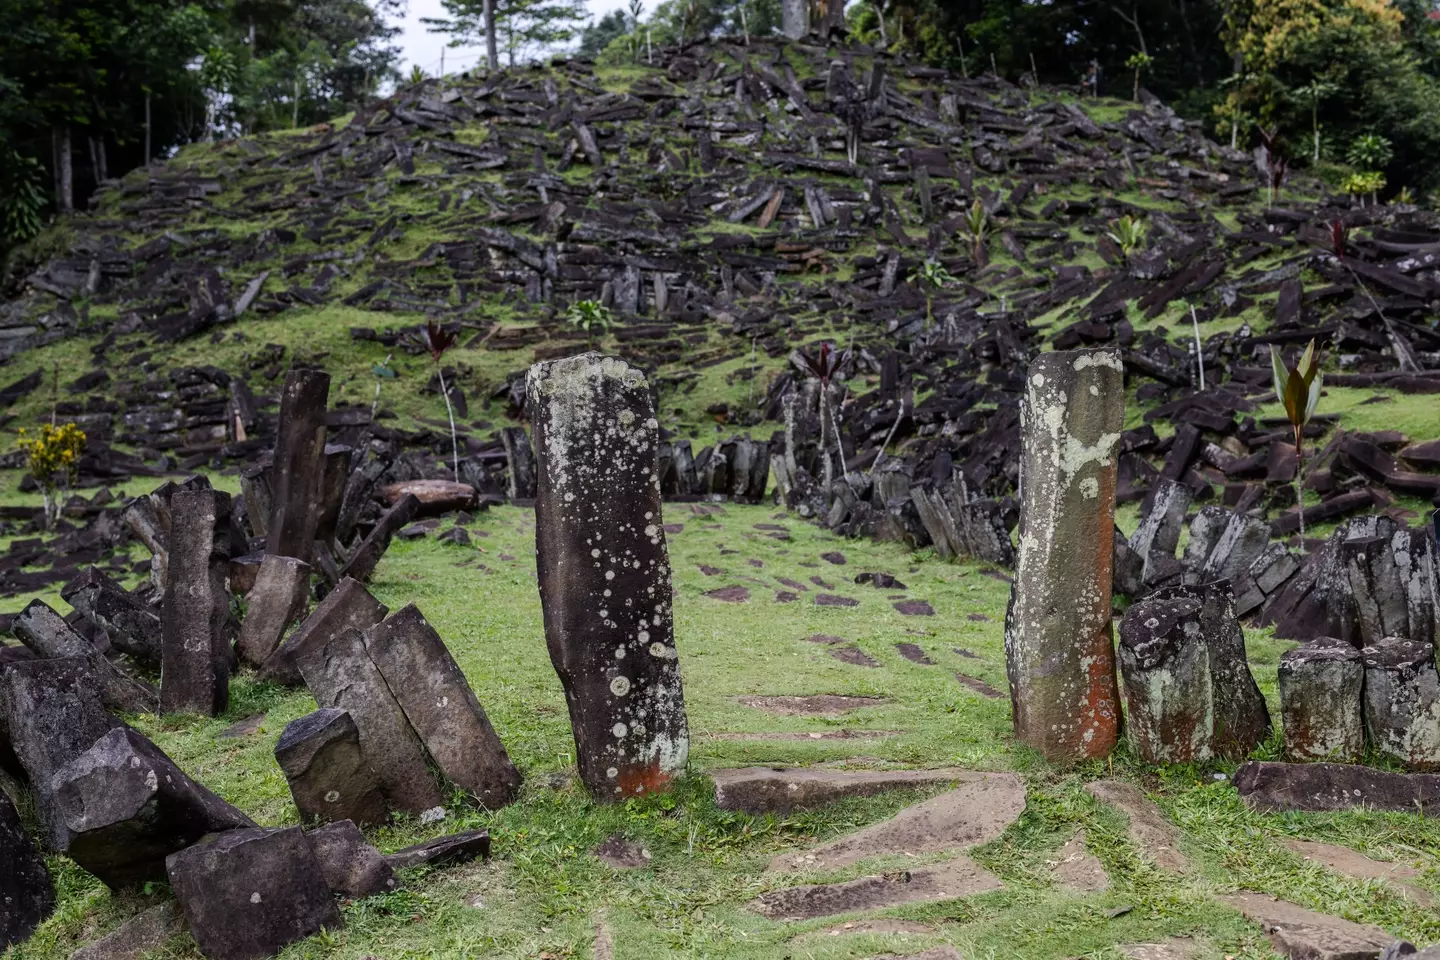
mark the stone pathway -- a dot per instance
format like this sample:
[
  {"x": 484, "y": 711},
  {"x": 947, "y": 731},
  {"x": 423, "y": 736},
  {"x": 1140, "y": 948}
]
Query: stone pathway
[
  {"x": 1175, "y": 948},
  {"x": 820, "y": 704},
  {"x": 1303, "y": 934},
  {"x": 1076, "y": 868},
  {"x": 770, "y": 790},
  {"x": 960, "y": 877},
  {"x": 1152, "y": 835},
  {"x": 1355, "y": 864}
]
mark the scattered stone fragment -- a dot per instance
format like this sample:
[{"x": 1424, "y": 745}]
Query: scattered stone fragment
[
  {"x": 1321, "y": 787},
  {"x": 831, "y": 600},
  {"x": 196, "y": 629},
  {"x": 443, "y": 851},
  {"x": 249, "y": 893},
  {"x": 834, "y": 556},
  {"x": 1402, "y": 701},
  {"x": 243, "y": 728},
  {"x": 278, "y": 599},
  {"x": 126, "y": 806},
  {"x": 604, "y": 572},
  {"x": 975, "y": 812},
  {"x": 351, "y": 867},
  {"x": 437, "y": 700},
  {"x": 1320, "y": 701},
  {"x": 853, "y": 655},
  {"x": 1172, "y": 949},
  {"x": 366, "y": 558},
  {"x": 760, "y": 790},
  {"x": 297, "y": 474},
  {"x": 959, "y": 877},
  {"x": 1152, "y": 835},
  {"x": 341, "y": 674},
  {"x": 348, "y": 607},
  {"x": 1058, "y": 646},
  {"x": 915, "y": 608},
  {"x": 913, "y": 653},
  {"x": 47, "y": 634},
  {"x": 140, "y": 936},
  {"x": 622, "y": 854},
  {"x": 435, "y": 496},
  {"x": 27, "y": 895},
  {"x": 729, "y": 594},
  {"x": 1302, "y": 934},
  {"x": 329, "y": 777},
  {"x": 979, "y": 686}
]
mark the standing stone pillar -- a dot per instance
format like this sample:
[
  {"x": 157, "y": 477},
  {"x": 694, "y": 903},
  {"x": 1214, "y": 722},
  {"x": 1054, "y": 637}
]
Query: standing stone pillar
[
  {"x": 1058, "y": 642},
  {"x": 1402, "y": 701},
  {"x": 298, "y": 472},
  {"x": 605, "y": 573},
  {"x": 195, "y": 620},
  {"x": 1320, "y": 686},
  {"x": 1165, "y": 664}
]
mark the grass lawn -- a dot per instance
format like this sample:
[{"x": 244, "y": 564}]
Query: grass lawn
[{"x": 542, "y": 893}]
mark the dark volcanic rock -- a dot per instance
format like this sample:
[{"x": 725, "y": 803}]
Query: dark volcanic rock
[
  {"x": 348, "y": 607},
  {"x": 1320, "y": 703},
  {"x": 46, "y": 633},
  {"x": 278, "y": 599},
  {"x": 27, "y": 895},
  {"x": 249, "y": 893},
  {"x": 298, "y": 472},
  {"x": 1321, "y": 787},
  {"x": 352, "y": 867},
  {"x": 131, "y": 626},
  {"x": 329, "y": 777},
  {"x": 195, "y": 621},
  {"x": 443, "y": 851}
]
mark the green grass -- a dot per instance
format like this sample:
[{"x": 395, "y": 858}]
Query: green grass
[{"x": 541, "y": 893}]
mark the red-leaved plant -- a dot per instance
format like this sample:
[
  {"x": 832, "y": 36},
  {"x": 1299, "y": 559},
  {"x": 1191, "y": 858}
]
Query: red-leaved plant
[
  {"x": 1298, "y": 390},
  {"x": 437, "y": 341},
  {"x": 823, "y": 365}
]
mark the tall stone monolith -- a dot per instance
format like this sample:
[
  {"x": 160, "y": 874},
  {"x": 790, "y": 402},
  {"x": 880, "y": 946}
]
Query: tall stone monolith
[
  {"x": 298, "y": 473},
  {"x": 605, "y": 573},
  {"x": 195, "y": 624},
  {"x": 1059, "y": 651}
]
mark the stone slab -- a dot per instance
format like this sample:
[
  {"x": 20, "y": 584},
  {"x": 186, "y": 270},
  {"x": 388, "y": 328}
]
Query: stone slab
[
  {"x": 960, "y": 877},
  {"x": 1153, "y": 835},
  {"x": 780, "y": 790}
]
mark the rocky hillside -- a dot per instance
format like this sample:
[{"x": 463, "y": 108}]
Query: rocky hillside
[{"x": 735, "y": 205}]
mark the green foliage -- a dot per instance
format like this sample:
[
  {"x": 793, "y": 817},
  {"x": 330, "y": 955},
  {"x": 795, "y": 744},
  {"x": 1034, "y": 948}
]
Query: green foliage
[
  {"x": 590, "y": 317},
  {"x": 1128, "y": 232},
  {"x": 976, "y": 230},
  {"x": 52, "y": 457},
  {"x": 598, "y": 35},
  {"x": 1364, "y": 183},
  {"x": 931, "y": 276},
  {"x": 1139, "y": 62},
  {"x": 1369, "y": 151},
  {"x": 522, "y": 27},
  {"x": 22, "y": 197}
]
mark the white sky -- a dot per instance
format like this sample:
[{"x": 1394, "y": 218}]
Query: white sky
[{"x": 420, "y": 46}]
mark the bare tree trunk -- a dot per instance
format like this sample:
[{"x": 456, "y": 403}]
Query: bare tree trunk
[
  {"x": 64, "y": 171},
  {"x": 295, "y": 107},
  {"x": 492, "y": 57},
  {"x": 147, "y": 128},
  {"x": 880, "y": 16}
]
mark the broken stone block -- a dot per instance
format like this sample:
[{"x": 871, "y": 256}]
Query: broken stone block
[
  {"x": 348, "y": 607},
  {"x": 760, "y": 790},
  {"x": 366, "y": 558},
  {"x": 297, "y": 473},
  {"x": 195, "y": 621},
  {"x": 1320, "y": 701},
  {"x": 1402, "y": 701},
  {"x": 1158, "y": 535},
  {"x": 1165, "y": 666},
  {"x": 1379, "y": 593},
  {"x": 1322, "y": 787},
  {"x": 1303, "y": 934},
  {"x": 438, "y": 702},
  {"x": 605, "y": 574},
  {"x": 341, "y": 674},
  {"x": 1205, "y": 530},
  {"x": 46, "y": 633},
  {"x": 131, "y": 626},
  {"x": 27, "y": 894},
  {"x": 436, "y": 496},
  {"x": 54, "y": 714},
  {"x": 1242, "y": 540},
  {"x": 126, "y": 807},
  {"x": 249, "y": 893},
  {"x": 1058, "y": 642},
  {"x": 278, "y": 599},
  {"x": 140, "y": 936},
  {"x": 521, "y": 458},
  {"x": 352, "y": 867},
  {"x": 329, "y": 778},
  {"x": 443, "y": 851}
]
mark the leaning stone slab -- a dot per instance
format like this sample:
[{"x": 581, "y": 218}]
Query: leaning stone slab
[
  {"x": 247, "y": 894},
  {"x": 278, "y": 599},
  {"x": 1152, "y": 835},
  {"x": 126, "y": 807},
  {"x": 1320, "y": 700},
  {"x": 960, "y": 877},
  {"x": 443, "y": 851},
  {"x": 352, "y": 867},
  {"x": 976, "y": 812},
  {"x": 27, "y": 895},
  {"x": 1302, "y": 934},
  {"x": 348, "y": 607},
  {"x": 131, "y": 626},
  {"x": 605, "y": 574},
  {"x": 195, "y": 620},
  {"x": 1058, "y": 648},
  {"x": 136, "y": 938},
  {"x": 329, "y": 778},
  {"x": 46, "y": 633},
  {"x": 341, "y": 674},
  {"x": 297, "y": 476},
  {"x": 54, "y": 714},
  {"x": 1322, "y": 787},
  {"x": 438, "y": 702},
  {"x": 1355, "y": 864},
  {"x": 1402, "y": 701},
  {"x": 366, "y": 558},
  {"x": 773, "y": 790}
]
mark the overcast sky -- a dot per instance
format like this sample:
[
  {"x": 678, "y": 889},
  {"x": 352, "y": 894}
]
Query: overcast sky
[{"x": 420, "y": 46}]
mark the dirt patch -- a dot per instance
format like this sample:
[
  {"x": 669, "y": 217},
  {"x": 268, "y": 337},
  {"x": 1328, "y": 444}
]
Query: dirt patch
[
  {"x": 824, "y": 638},
  {"x": 915, "y": 608},
  {"x": 977, "y": 617},
  {"x": 1176, "y": 948},
  {"x": 968, "y": 655},
  {"x": 730, "y": 594},
  {"x": 810, "y": 735},
  {"x": 832, "y": 600},
  {"x": 785, "y": 596},
  {"x": 853, "y": 655},
  {"x": 672, "y": 528},
  {"x": 979, "y": 686},
  {"x": 708, "y": 570},
  {"x": 821, "y": 583},
  {"x": 872, "y": 926},
  {"x": 961, "y": 877},
  {"x": 792, "y": 584},
  {"x": 818, "y": 705},
  {"x": 913, "y": 653}
]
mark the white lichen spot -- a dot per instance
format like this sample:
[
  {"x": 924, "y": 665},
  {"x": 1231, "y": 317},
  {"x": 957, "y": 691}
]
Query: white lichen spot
[
  {"x": 612, "y": 773},
  {"x": 595, "y": 552},
  {"x": 619, "y": 653},
  {"x": 255, "y": 897},
  {"x": 609, "y": 574},
  {"x": 1089, "y": 488},
  {"x": 619, "y": 730},
  {"x": 620, "y": 686},
  {"x": 332, "y": 796}
]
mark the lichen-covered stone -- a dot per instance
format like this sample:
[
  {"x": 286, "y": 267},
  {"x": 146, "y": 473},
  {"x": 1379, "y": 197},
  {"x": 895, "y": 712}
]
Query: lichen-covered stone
[
  {"x": 278, "y": 599},
  {"x": 46, "y": 633},
  {"x": 195, "y": 622},
  {"x": 348, "y": 607},
  {"x": 131, "y": 626},
  {"x": 1402, "y": 701},
  {"x": 1165, "y": 665},
  {"x": 1058, "y": 643},
  {"x": 605, "y": 573},
  {"x": 1320, "y": 705},
  {"x": 297, "y": 477},
  {"x": 329, "y": 777}
]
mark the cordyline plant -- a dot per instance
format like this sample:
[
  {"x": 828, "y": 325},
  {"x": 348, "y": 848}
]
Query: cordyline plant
[
  {"x": 1128, "y": 233},
  {"x": 1138, "y": 62},
  {"x": 1277, "y": 164},
  {"x": 931, "y": 276},
  {"x": 1298, "y": 390},
  {"x": 977, "y": 231},
  {"x": 437, "y": 341},
  {"x": 823, "y": 365}
]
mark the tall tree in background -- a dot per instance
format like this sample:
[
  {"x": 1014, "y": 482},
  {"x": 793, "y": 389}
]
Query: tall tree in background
[{"x": 519, "y": 27}]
